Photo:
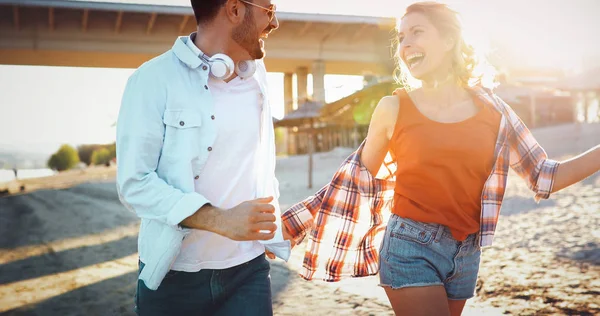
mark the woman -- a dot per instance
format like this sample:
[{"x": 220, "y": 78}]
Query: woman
[{"x": 453, "y": 141}]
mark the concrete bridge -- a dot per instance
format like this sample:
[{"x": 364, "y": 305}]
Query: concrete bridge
[{"x": 120, "y": 35}]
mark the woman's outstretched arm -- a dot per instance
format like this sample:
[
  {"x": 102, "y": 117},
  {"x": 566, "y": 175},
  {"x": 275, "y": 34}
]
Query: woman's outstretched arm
[
  {"x": 545, "y": 176},
  {"x": 577, "y": 168}
]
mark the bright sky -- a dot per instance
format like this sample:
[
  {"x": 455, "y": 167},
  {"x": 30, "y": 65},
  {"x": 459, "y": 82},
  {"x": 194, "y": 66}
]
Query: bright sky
[{"x": 50, "y": 105}]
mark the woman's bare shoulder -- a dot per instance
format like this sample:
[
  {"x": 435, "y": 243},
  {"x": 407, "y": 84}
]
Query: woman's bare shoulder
[
  {"x": 387, "y": 110},
  {"x": 388, "y": 105}
]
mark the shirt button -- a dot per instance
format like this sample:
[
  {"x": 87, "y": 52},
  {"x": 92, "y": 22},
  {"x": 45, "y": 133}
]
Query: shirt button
[
  {"x": 204, "y": 67},
  {"x": 209, "y": 148},
  {"x": 206, "y": 87},
  {"x": 485, "y": 197},
  {"x": 196, "y": 177},
  {"x": 181, "y": 123},
  {"x": 212, "y": 117}
]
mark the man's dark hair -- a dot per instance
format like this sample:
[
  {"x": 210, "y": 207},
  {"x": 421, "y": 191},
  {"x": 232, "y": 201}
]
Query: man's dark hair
[{"x": 206, "y": 10}]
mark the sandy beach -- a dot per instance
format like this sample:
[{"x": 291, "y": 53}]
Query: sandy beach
[{"x": 68, "y": 247}]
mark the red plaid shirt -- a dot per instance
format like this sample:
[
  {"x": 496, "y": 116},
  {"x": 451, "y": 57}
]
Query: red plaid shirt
[{"x": 347, "y": 217}]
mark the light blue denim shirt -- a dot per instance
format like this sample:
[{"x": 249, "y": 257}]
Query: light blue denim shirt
[{"x": 164, "y": 137}]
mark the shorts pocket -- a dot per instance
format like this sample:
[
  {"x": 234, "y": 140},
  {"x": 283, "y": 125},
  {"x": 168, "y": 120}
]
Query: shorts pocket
[
  {"x": 385, "y": 242},
  {"x": 412, "y": 232}
]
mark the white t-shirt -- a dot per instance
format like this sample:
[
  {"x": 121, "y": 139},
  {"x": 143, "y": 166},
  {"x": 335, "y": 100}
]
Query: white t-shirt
[{"x": 229, "y": 176}]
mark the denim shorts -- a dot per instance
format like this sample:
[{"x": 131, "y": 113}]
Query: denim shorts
[{"x": 415, "y": 254}]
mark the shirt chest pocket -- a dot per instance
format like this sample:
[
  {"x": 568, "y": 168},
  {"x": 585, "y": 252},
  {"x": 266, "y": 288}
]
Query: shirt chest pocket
[{"x": 182, "y": 134}]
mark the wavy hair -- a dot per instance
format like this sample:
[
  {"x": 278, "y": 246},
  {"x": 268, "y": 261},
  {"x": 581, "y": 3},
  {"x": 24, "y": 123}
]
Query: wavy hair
[{"x": 469, "y": 67}]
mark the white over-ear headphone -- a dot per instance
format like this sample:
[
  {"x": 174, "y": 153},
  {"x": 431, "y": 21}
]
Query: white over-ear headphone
[
  {"x": 222, "y": 67},
  {"x": 245, "y": 68}
]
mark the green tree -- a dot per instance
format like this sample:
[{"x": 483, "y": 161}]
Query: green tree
[
  {"x": 65, "y": 158},
  {"x": 101, "y": 156},
  {"x": 85, "y": 152},
  {"x": 112, "y": 148}
]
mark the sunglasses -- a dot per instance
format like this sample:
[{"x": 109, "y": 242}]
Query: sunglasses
[{"x": 270, "y": 10}]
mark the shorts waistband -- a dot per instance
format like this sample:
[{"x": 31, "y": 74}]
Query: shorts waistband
[{"x": 439, "y": 230}]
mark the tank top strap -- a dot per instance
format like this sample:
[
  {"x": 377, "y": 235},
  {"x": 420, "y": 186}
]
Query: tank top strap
[{"x": 407, "y": 111}]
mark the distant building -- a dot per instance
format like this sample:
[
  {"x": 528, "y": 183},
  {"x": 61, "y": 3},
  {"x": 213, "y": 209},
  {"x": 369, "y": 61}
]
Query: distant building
[{"x": 538, "y": 107}]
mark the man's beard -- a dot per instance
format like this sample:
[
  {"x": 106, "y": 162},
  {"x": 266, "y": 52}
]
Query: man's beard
[{"x": 244, "y": 35}]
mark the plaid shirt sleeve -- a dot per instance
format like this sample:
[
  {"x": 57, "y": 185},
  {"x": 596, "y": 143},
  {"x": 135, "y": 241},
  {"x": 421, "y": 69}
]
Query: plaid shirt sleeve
[
  {"x": 299, "y": 218},
  {"x": 527, "y": 158},
  {"x": 344, "y": 221}
]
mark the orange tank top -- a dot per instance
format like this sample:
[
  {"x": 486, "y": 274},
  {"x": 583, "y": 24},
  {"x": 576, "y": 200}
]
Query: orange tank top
[{"x": 442, "y": 167}]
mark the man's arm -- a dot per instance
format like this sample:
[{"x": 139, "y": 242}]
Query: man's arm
[
  {"x": 243, "y": 222},
  {"x": 140, "y": 132}
]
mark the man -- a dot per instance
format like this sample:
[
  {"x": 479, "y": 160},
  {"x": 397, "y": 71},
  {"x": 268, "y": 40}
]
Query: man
[{"x": 196, "y": 162}]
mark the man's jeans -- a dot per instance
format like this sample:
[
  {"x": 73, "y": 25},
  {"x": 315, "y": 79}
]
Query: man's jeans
[{"x": 239, "y": 290}]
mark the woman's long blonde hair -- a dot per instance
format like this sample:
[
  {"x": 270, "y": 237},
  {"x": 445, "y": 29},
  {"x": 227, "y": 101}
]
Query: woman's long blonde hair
[{"x": 469, "y": 67}]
